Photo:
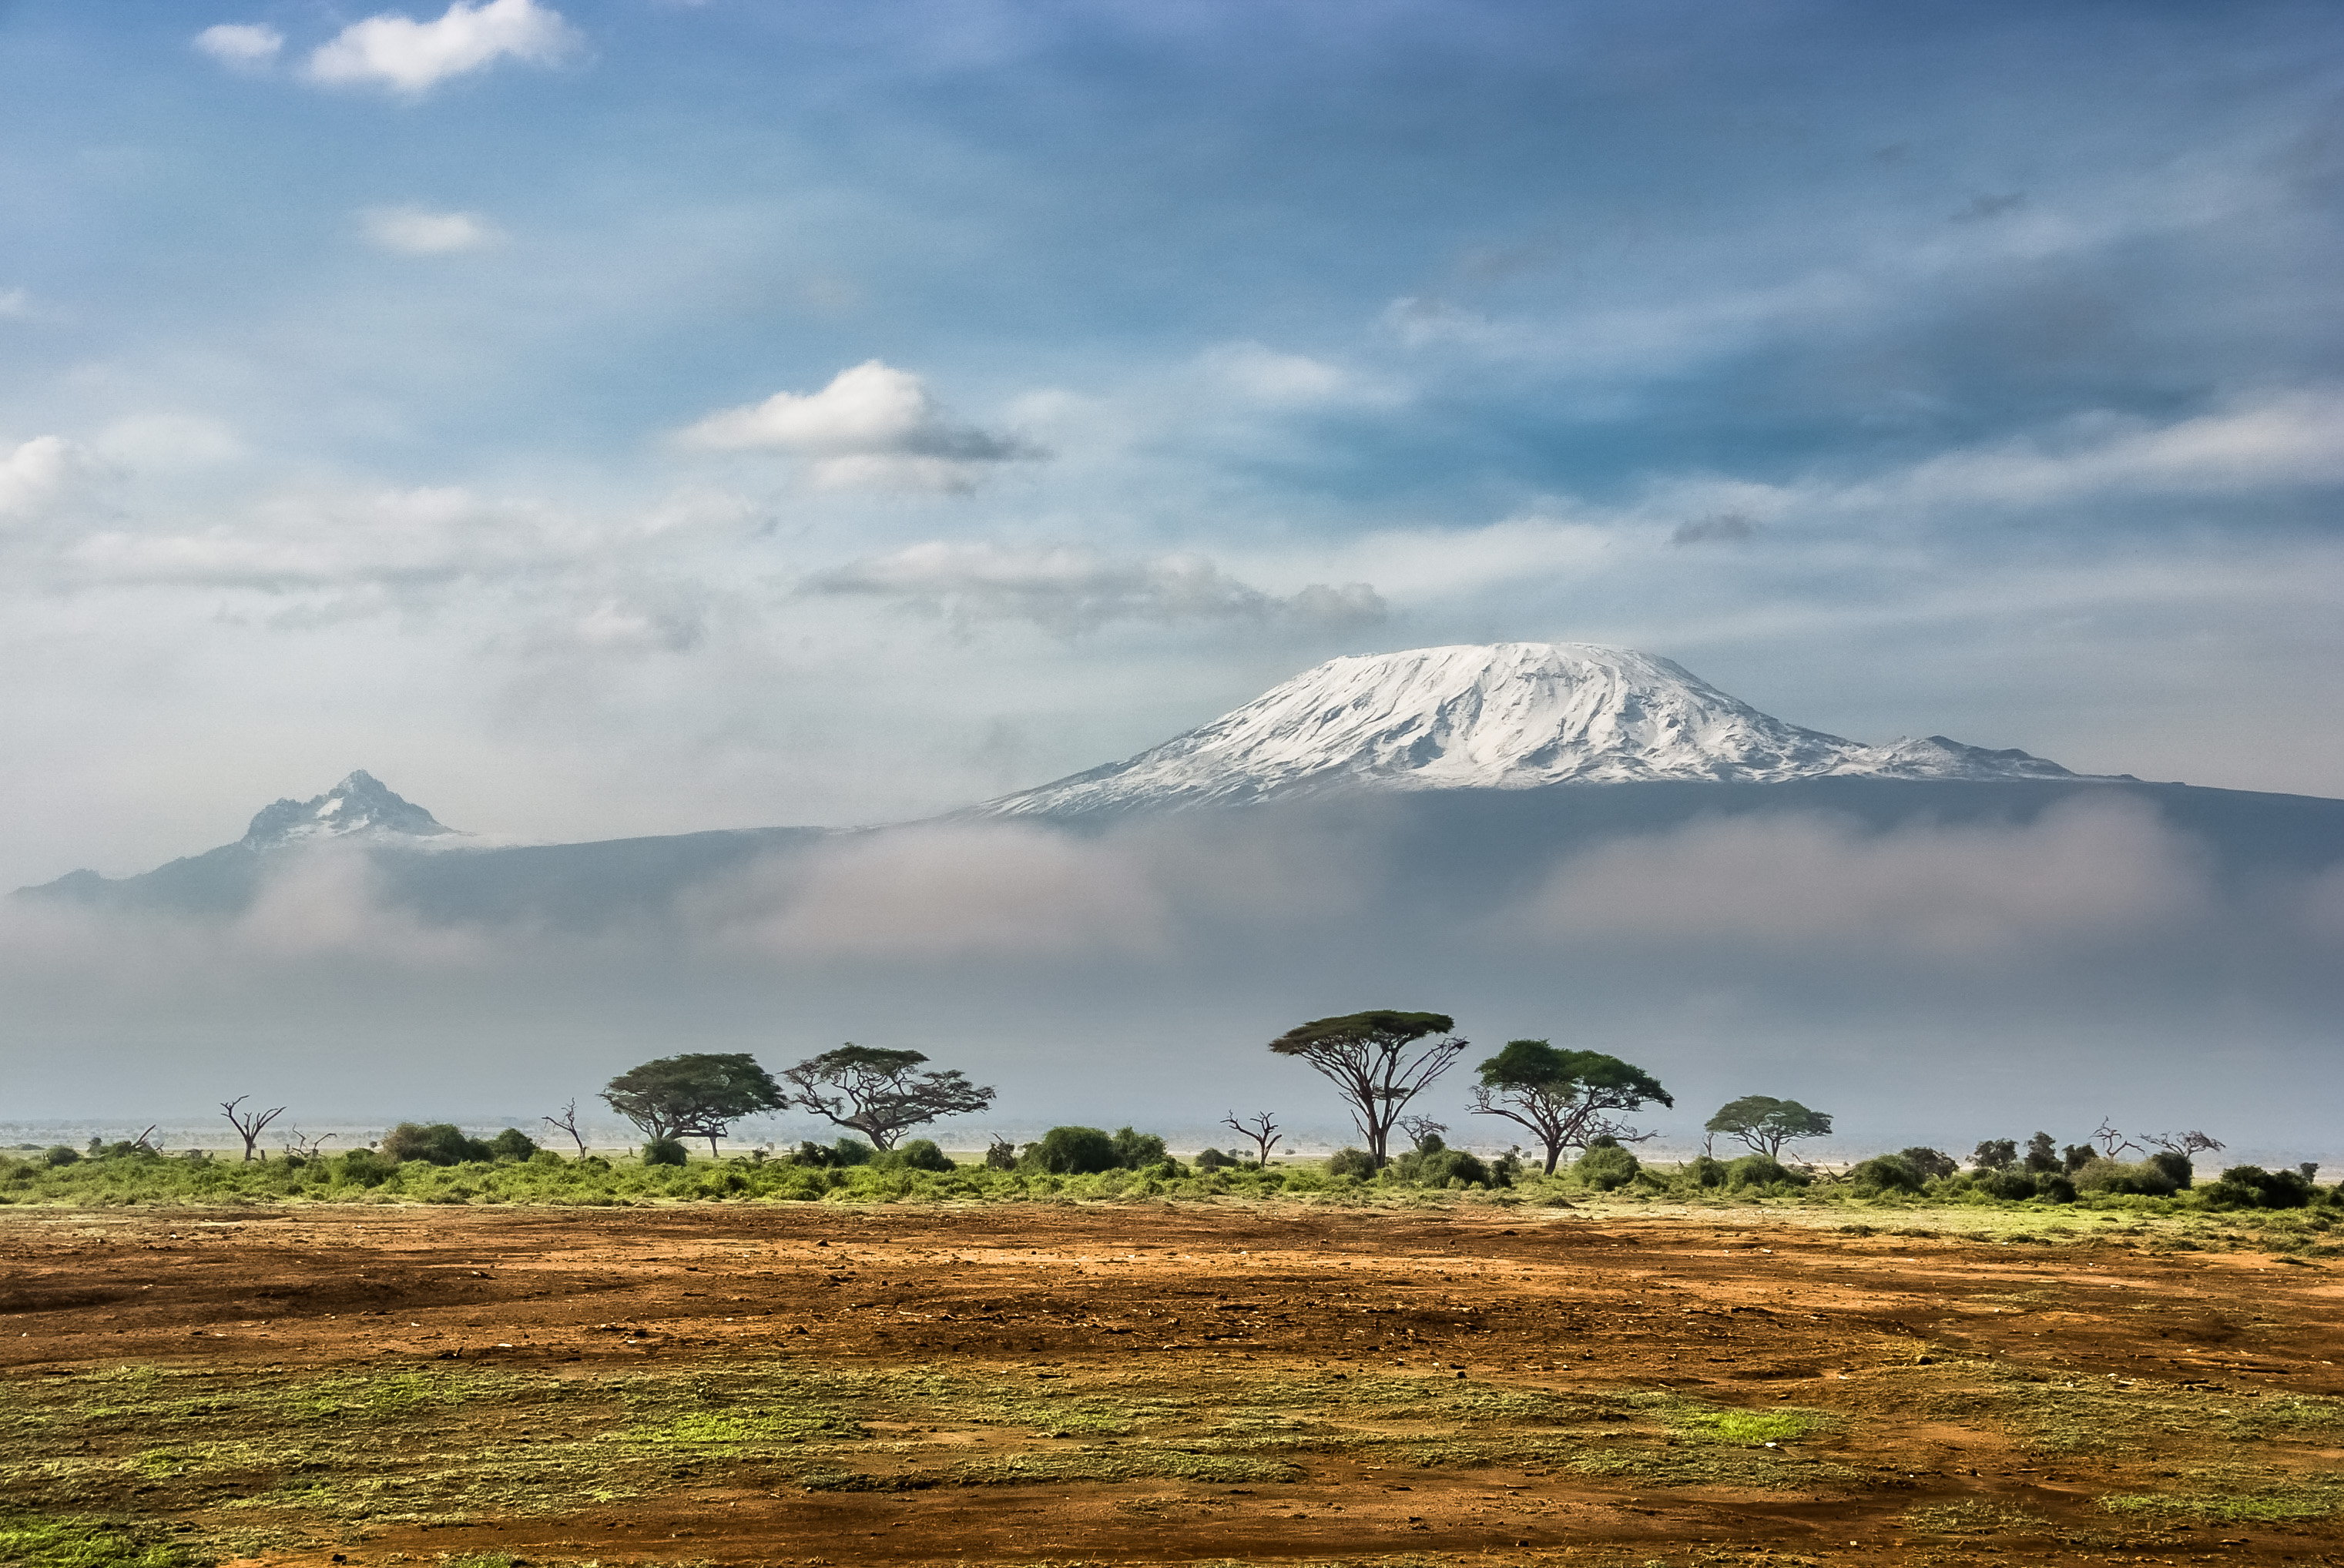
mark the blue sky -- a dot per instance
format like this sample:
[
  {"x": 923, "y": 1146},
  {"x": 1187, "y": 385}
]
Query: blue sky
[{"x": 639, "y": 416}]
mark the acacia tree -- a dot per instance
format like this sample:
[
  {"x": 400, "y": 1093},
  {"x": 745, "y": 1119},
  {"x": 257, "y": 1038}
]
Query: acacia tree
[
  {"x": 1376, "y": 1062},
  {"x": 875, "y": 1092},
  {"x": 696, "y": 1095},
  {"x": 1565, "y": 1098},
  {"x": 1767, "y": 1124}
]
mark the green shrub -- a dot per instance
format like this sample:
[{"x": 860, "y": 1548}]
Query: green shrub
[
  {"x": 1137, "y": 1150},
  {"x": 919, "y": 1154},
  {"x": 665, "y": 1151},
  {"x": 361, "y": 1168},
  {"x": 1995, "y": 1155},
  {"x": 1439, "y": 1166},
  {"x": 1356, "y": 1163},
  {"x": 512, "y": 1143},
  {"x": 2175, "y": 1164},
  {"x": 1001, "y": 1155},
  {"x": 1706, "y": 1172},
  {"x": 1885, "y": 1173},
  {"x": 1214, "y": 1159},
  {"x": 61, "y": 1155},
  {"x": 2010, "y": 1185},
  {"x": 1073, "y": 1151},
  {"x": 440, "y": 1143},
  {"x": 1934, "y": 1164},
  {"x": 2252, "y": 1187},
  {"x": 2148, "y": 1179},
  {"x": 2058, "y": 1186},
  {"x": 1606, "y": 1166},
  {"x": 1763, "y": 1171}
]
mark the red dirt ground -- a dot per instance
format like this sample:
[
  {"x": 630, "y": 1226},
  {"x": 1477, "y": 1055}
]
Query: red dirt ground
[{"x": 1746, "y": 1311}]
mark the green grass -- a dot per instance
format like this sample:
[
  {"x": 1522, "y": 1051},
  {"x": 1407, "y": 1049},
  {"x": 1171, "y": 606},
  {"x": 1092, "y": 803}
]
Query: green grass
[
  {"x": 2266, "y": 1502},
  {"x": 38, "y": 1543}
]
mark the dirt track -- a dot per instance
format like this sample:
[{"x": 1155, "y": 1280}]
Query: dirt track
[{"x": 1156, "y": 1384}]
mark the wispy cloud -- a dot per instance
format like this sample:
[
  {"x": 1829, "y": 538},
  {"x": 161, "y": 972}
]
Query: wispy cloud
[
  {"x": 1070, "y": 588},
  {"x": 420, "y": 231},
  {"x": 411, "y": 57},
  {"x": 242, "y": 45},
  {"x": 873, "y": 426}
]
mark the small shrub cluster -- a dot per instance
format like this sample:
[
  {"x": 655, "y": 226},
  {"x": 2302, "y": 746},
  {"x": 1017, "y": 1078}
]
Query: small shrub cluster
[{"x": 445, "y": 1143}]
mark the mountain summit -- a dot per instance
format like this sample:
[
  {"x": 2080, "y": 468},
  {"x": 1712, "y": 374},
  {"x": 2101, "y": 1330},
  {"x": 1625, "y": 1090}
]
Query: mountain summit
[
  {"x": 360, "y": 805},
  {"x": 1509, "y": 716}
]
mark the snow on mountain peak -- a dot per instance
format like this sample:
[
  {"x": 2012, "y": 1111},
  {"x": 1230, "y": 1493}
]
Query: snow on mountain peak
[
  {"x": 1509, "y": 716},
  {"x": 360, "y": 805}
]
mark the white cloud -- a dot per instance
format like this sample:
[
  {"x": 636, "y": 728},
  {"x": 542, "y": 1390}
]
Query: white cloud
[
  {"x": 310, "y": 541},
  {"x": 872, "y": 426},
  {"x": 2081, "y": 874},
  {"x": 15, "y": 305},
  {"x": 411, "y": 57},
  {"x": 986, "y": 893},
  {"x": 1071, "y": 588},
  {"x": 241, "y": 46},
  {"x": 2280, "y": 440},
  {"x": 40, "y": 472},
  {"x": 419, "y": 231}
]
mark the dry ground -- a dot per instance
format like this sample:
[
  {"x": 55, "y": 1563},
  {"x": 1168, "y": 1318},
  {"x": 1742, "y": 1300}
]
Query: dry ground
[{"x": 1159, "y": 1383}]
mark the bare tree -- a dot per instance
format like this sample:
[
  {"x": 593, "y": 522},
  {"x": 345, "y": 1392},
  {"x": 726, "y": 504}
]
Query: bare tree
[
  {"x": 306, "y": 1147},
  {"x": 1420, "y": 1128},
  {"x": 2111, "y": 1141},
  {"x": 249, "y": 1124},
  {"x": 2183, "y": 1143},
  {"x": 568, "y": 1122},
  {"x": 1260, "y": 1128},
  {"x": 147, "y": 1140}
]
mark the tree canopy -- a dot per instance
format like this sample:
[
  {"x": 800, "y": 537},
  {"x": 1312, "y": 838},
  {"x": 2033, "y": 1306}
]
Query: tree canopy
[
  {"x": 876, "y": 1092},
  {"x": 1376, "y": 1062},
  {"x": 696, "y": 1095},
  {"x": 1564, "y": 1098},
  {"x": 1766, "y": 1124}
]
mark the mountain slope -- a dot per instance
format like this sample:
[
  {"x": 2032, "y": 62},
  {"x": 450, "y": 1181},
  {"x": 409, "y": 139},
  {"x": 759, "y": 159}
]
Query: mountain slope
[{"x": 1511, "y": 716}]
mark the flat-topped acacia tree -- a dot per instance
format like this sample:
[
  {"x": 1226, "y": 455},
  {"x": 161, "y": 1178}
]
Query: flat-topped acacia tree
[
  {"x": 1766, "y": 1125},
  {"x": 1565, "y": 1098},
  {"x": 695, "y": 1095},
  {"x": 1377, "y": 1062},
  {"x": 876, "y": 1092}
]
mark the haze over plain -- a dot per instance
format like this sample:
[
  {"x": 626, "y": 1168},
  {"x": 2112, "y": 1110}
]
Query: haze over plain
[{"x": 639, "y": 417}]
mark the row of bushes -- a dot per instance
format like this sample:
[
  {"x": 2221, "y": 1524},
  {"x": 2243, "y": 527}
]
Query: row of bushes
[{"x": 513, "y": 1166}]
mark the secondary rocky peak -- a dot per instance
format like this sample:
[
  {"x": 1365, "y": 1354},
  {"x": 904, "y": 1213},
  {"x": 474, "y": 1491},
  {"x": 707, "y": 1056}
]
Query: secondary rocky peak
[{"x": 359, "y": 805}]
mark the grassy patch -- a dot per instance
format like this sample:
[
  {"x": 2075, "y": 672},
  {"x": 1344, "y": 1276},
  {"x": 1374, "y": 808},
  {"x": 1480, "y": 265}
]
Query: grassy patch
[
  {"x": 2267, "y": 1501},
  {"x": 82, "y": 1543},
  {"x": 1973, "y": 1518}
]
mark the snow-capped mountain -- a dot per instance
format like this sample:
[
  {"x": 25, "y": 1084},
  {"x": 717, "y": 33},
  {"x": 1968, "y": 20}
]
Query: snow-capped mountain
[
  {"x": 360, "y": 805},
  {"x": 1511, "y": 716}
]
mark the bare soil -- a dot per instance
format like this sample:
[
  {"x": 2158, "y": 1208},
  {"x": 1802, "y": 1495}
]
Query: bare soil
[{"x": 1159, "y": 1383}]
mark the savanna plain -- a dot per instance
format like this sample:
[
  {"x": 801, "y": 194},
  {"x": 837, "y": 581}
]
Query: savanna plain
[{"x": 1441, "y": 1380}]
